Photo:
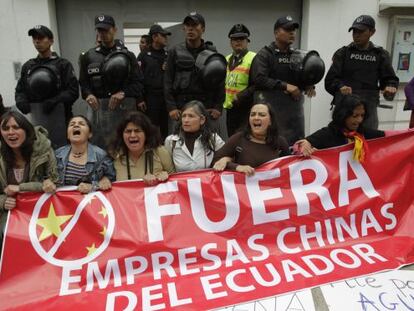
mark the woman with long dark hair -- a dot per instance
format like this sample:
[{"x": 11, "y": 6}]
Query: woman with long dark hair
[
  {"x": 347, "y": 126},
  {"x": 138, "y": 152},
  {"x": 81, "y": 163},
  {"x": 27, "y": 161},
  {"x": 258, "y": 143},
  {"x": 193, "y": 144}
]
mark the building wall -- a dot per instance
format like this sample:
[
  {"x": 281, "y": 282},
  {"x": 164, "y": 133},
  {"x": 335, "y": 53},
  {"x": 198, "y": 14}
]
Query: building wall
[{"x": 76, "y": 19}]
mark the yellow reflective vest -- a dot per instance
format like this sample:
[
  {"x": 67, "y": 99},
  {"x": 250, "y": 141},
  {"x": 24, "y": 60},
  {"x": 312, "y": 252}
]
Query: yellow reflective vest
[{"x": 237, "y": 79}]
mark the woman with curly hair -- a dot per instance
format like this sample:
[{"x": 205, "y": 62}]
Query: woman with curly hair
[
  {"x": 193, "y": 144},
  {"x": 137, "y": 151}
]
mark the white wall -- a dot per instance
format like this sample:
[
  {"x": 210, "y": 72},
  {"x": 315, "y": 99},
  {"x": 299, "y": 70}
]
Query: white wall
[
  {"x": 16, "y": 18},
  {"x": 325, "y": 29}
]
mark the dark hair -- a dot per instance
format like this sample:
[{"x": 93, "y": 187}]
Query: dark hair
[
  {"x": 344, "y": 109},
  {"x": 26, "y": 148},
  {"x": 147, "y": 38},
  {"x": 207, "y": 139},
  {"x": 2, "y": 108},
  {"x": 88, "y": 123},
  {"x": 272, "y": 135},
  {"x": 152, "y": 134}
]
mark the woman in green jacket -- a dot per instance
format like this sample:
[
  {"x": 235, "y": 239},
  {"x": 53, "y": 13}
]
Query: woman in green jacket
[{"x": 27, "y": 162}]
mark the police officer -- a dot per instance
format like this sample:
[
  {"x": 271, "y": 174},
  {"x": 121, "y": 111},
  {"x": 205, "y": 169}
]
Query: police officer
[
  {"x": 362, "y": 68},
  {"x": 278, "y": 84},
  {"x": 47, "y": 87},
  {"x": 187, "y": 76},
  {"x": 110, "y": 80},
  {"x": 239, "y": 96},
  {"x": 153, "y": 63}
]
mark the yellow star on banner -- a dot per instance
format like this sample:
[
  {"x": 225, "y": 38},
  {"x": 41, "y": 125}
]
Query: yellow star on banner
[
  {"x": 51, "y": 224},
  {"x": 103, "y": 212},
  {"x": 92, "y": 249},
  {"x": 103, "y": 232}
]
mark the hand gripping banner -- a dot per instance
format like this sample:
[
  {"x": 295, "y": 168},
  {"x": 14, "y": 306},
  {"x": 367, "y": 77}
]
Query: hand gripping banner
[{"x": 204, "y": 240}]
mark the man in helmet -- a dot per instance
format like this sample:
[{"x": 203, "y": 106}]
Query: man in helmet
[
  {"x": 153, "y": 63},
  {"x": 362, "y": 68},
  {"x": 186, "y": 77},
  {"x": 47, "y": 87},
  {"x": 239, "y": 95},
  {"x": 276, "y": 82},
  {"x": 110, "y": 80}
]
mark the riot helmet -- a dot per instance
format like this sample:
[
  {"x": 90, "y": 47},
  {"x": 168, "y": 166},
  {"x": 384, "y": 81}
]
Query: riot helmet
[
  {"x": 115, "y": 70},
  {"x": 43, "y": 83},
  {"x": 212, "y": 68},
  {"x": 308, "y": 66}
]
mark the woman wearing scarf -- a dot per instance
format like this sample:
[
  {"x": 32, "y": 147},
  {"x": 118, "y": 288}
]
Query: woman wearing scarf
[{"x": 346, "y": 127}]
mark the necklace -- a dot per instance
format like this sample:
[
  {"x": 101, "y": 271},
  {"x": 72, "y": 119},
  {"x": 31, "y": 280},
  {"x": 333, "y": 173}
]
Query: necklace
[{"x": 78, "y": 154}]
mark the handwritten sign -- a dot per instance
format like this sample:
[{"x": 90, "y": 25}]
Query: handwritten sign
[
  {"x": 298, "y": 301},
  {"x": 392, "y": 290}
]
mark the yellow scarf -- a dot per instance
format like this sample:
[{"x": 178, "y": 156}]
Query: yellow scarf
[{"x": 360, "y": 145}]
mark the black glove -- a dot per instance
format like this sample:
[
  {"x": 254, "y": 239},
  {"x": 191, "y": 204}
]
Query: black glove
[
  {"x": 24, "y": 107},
  {"x": 48, "y": 106}
]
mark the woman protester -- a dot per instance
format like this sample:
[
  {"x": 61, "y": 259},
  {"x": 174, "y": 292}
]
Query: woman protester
[
  {"x": 82, "y": 163},
  {"x": 138, "y": 152},
  {"x": 27, "y": 162},
  {"x": 346, "y": 126},
  {"x": 258, "y": 143},
  {"x": 193, "y": 144}
]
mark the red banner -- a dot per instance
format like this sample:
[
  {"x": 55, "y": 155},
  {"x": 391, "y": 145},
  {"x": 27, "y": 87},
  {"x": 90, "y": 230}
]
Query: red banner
[{"x": 204, "y": 239}]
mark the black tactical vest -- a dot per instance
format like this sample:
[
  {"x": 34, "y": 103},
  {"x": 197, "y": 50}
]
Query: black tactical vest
[
  {"x": 281, "y": 66},
  {"x": 361, "y": 68}
]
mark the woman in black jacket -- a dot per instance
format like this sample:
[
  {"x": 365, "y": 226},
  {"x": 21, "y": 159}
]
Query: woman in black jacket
[{"x": 346, "y": 126}]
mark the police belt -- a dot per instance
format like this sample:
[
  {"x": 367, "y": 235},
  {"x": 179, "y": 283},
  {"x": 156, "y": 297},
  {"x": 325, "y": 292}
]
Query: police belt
[{"x": 182, "y": 99}]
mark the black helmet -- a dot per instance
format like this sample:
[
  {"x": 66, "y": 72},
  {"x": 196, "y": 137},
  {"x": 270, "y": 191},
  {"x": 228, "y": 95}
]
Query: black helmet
[
  {"x": 42, "y": 82},
  {"x": 212, "y": 68},
  {"x": 308, "y": 65},
  {"x": 115, "y": 71}
]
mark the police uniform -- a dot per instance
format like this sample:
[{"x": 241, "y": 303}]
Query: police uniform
[
  {"x": 365, "y": 71},
  {"x": 183, "y": 82},
  {"x": 153, "y": 63},
  {"x": 270, "y": 73},
  {"x": 103, "y": 72},
  {"x": 237, "y": 83},
  {"x": 47, "y": 88}
]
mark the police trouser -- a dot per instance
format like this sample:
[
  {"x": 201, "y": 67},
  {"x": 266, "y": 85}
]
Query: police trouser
[
  {"x": 371, "y": 99},
  {"x": 157, "y": 111},
  {"x": 184, "y": 99},
  {"x": 214, "y": 125},
  {"x": 289, "y": 113},
  {"x": 106, "y": 121},
  {"x": 237, "y": 117},
  {"x": 54, "y": 122}
]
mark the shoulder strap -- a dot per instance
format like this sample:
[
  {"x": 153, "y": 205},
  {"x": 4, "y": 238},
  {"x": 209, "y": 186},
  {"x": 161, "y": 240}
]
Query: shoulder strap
[{"x": 149, "y": 161}]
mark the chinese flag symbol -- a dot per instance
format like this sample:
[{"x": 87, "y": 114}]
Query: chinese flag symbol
[{"x": 72, "y": 226}]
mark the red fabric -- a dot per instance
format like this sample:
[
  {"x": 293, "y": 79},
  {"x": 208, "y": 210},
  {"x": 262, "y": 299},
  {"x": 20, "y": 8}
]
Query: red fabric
[{"x": 363, "y": 214}]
